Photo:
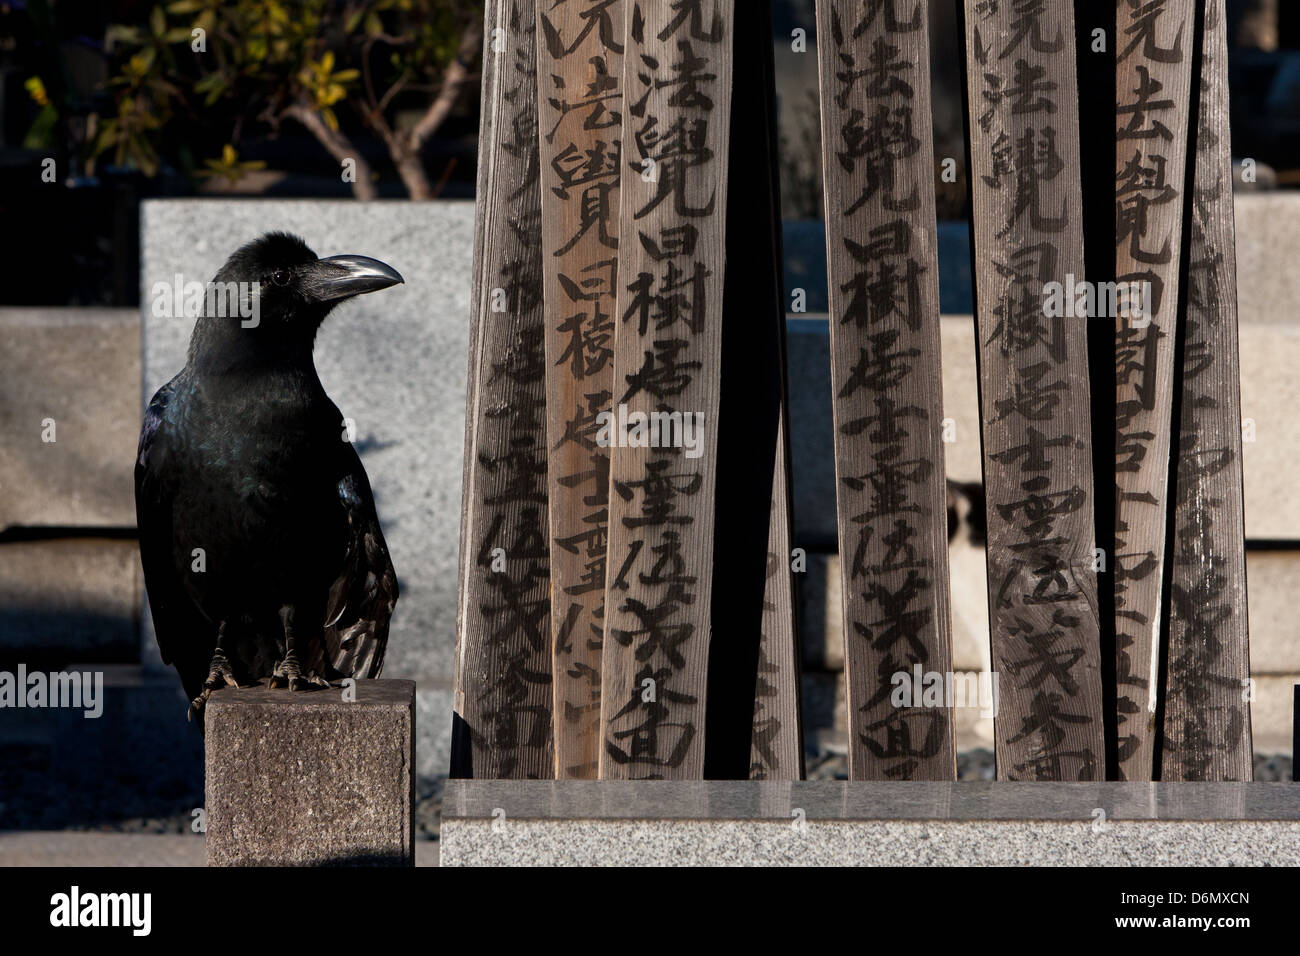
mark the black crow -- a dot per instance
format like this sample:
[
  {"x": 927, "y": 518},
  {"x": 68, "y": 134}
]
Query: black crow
[{"x": 263, "y": 557}]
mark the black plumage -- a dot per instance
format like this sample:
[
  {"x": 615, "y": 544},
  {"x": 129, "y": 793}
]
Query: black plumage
[{"x": 262, "y": 552}]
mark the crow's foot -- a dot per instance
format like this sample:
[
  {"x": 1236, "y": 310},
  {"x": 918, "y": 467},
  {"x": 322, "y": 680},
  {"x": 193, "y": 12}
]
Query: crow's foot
[
  {"x": 288, "y": 673},
  {"x": 198, "y": 704},
  {"x": 219, "y": 675}
]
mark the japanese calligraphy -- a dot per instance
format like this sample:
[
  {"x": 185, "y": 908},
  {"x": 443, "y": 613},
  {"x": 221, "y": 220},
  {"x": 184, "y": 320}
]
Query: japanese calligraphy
[
  {"x": 676, "y": 95},
  {"x": 1207, "y": 732},
  {"x": 504, "y": 681},
  {"x": 1033, "y": 390},
  {"x": 1153, "y": 82},
  {"x": 581, "y": 113},
  {"x": 880, "y": 222}
]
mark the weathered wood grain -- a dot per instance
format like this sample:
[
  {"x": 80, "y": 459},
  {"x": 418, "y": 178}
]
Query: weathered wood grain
[
  {"x": 1207, "y": 733},
  {"x": 503, "y": 679},
  {"x": 580, "y": 107},
  {"x": 878, "y": 162},
  {"x": 1025, "y": 178},
  {"x": 1153, "y": 80},
  {"x": 776, "y": 749},
  {"x": 677, "y": 87}
]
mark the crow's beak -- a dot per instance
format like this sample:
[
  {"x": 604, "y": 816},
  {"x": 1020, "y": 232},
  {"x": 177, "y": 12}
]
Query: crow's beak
[{"x": 340, "y": 277}]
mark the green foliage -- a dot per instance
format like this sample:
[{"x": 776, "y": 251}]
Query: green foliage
[
  {"x": 229, "y": 167},
  {"x": 42, "y": 132},
  {"x": 203, "y": 73}
]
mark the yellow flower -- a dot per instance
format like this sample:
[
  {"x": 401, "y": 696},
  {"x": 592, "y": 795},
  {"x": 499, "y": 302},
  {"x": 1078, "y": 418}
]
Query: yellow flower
[
  {"x": 36, "y": 89},
  {"x": 229, "y": 167}
]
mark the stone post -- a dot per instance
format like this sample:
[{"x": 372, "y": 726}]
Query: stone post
[{"x": 311, "y": 778}]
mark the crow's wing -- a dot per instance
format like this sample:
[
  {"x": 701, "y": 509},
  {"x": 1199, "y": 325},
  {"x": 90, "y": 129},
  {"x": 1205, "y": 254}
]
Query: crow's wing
[
  {"x": 362, "y": 598},
  {"x": 186, "y": 638}
]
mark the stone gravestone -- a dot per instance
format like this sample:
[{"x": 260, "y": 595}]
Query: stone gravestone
[{"x": 393, "y": 363}]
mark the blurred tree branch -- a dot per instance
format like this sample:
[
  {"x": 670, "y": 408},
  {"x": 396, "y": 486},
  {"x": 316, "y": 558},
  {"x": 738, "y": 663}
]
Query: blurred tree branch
[{"x": 399, "y": 66}]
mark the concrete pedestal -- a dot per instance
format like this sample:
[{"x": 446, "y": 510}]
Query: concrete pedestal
[{"x": 310, "y": 778}]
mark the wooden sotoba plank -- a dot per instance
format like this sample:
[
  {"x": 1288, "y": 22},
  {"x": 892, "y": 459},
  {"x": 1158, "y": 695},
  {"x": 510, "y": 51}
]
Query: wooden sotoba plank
[
  {"x": 503, "y": 679},
  {"x": 1024, "y": 172},
  {"x": 776, "y": 749},
  {"x": 1207, "y": 732},
  {"x": 677, "y": 88},
  {"x": 1153, "y": 79},
  {"x": 580, "y": 75},
  {"x": 878, "y": 163}
]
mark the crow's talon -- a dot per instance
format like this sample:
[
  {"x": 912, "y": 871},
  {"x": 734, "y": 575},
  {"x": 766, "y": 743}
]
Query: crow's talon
[
  {"x": 198, "y": 704},
  {"x": 308, "y": 682},
  {"x": 219, "y": 673},
  {"x": 287, "y": 672}
]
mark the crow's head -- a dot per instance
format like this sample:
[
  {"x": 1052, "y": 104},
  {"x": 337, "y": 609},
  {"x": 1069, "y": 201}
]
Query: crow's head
[{"x": 294, "y": 289}]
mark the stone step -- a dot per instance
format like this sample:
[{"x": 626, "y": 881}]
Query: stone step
[{"x": 69, "y": 597}]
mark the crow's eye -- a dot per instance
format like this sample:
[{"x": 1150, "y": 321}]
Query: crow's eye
[{"x": 281, "y": 277}]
